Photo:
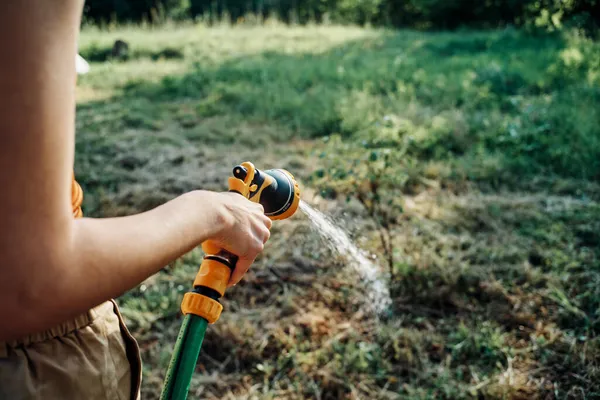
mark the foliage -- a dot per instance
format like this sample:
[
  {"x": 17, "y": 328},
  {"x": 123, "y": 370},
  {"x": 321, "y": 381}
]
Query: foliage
[
  {"x": 477, "y": 150},
  {"x": 435, "y": 14}
]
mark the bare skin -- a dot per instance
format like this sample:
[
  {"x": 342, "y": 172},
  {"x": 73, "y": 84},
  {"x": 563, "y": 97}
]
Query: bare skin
[{"x": 53, "y": 267}]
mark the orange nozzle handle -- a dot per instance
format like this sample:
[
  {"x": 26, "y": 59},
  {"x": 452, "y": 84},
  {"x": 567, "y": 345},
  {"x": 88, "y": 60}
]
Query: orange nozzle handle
[
  {"x": 216, "y": 268},
  {"x": 218, "y": 264},
  {"x": 215, "y": 271},
  {"x": 210, "y": 285}
]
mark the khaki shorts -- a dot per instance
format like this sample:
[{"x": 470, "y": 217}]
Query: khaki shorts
[{"x": 91, "y": 357}]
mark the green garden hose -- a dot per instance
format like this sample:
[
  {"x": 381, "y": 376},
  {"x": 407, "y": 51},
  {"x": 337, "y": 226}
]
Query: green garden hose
[{"x": 185, "y": 356}]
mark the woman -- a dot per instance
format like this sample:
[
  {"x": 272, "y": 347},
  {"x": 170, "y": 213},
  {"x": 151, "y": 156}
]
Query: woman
[{"x": 61, "y": 336}]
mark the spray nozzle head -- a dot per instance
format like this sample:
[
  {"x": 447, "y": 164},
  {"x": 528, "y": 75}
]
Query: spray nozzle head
[{"x": 275, "y": 189}]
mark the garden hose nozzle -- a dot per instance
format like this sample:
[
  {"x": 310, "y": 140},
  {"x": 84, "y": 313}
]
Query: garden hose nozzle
[
  {"x": 279, "y": 194},
  {"x": 275, "y": 189}
]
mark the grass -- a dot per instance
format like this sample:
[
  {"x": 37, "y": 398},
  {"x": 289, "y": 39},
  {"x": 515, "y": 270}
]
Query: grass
[{"x": 489, "y": 191}]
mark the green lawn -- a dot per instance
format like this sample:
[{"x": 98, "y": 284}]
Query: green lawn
[{"x": 468, "y": 162}]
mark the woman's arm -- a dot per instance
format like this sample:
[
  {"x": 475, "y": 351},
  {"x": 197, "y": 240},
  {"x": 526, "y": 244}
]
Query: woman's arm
[{"x": 53, "y": 267}]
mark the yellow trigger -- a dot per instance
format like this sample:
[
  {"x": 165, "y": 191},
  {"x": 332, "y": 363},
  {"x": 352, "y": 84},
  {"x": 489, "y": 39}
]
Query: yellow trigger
[{"x": 253, "y": 188}]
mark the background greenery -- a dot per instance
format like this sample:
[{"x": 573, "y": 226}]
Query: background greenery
[
  {"x": 468, "y": 162},
  {"x": 423, "y": 14}
]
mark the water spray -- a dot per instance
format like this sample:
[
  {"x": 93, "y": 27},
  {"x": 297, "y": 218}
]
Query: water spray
[{"x": 279, "y": 194}]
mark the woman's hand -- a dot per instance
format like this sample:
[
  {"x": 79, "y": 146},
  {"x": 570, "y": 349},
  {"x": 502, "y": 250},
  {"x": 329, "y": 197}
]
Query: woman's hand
[{"x": 239, "y": 226}]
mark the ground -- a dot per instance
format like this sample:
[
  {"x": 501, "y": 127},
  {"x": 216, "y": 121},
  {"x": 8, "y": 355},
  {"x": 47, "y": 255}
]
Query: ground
[{"x": 467, "y": 163}]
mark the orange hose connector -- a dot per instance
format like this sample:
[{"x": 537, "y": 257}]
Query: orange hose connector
[{"x": 202, "y": 306}]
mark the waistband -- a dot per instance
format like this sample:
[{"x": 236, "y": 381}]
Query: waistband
[{"x": 61, "y": 329}]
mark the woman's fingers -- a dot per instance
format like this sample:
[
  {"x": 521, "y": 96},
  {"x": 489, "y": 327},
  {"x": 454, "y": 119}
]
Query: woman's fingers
[
  {"x": 242, "y": 266},
  {"x": 246, "y": 235}
]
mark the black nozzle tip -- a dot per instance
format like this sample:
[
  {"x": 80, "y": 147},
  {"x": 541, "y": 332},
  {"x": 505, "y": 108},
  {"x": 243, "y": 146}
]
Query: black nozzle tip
[{"x": 240, "y": 172}]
